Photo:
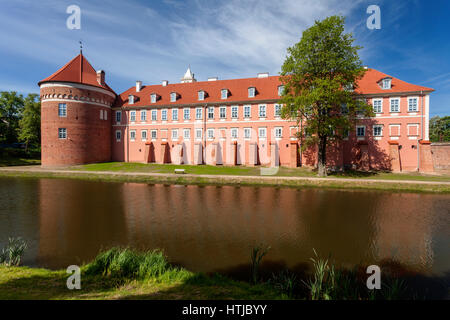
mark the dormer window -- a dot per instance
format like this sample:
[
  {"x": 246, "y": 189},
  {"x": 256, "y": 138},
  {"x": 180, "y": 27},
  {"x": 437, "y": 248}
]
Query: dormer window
[
  {"x": 224, "y": 93},
  {"x": 130, "y": 99},
  {"x": 386, "y": 83},
  {"x": 201, "y": 95},
  {"x": 251, "y": 92},
  {"x": 173, "y": 97},
  {"x": 349, "y": 87},
  {"x": 153, "y": 98},
  {"x": 280, "y": 90}
]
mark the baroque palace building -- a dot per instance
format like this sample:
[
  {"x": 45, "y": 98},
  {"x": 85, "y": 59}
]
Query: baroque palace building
[{"x": 221, "y": 122}]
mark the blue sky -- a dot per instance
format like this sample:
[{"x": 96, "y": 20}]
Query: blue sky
[{"x": 156, "y": 40}]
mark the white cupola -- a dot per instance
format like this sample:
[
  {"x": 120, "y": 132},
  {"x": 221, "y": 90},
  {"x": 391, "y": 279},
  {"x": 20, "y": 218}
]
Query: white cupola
[{"x": 188, "y": 76}]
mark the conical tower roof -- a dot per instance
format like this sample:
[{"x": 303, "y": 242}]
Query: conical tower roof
[{"x": 78, "y": 70}]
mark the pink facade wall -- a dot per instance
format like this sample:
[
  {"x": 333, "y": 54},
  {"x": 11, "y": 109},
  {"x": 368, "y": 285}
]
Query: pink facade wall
[{"x": 369, "y": 152}]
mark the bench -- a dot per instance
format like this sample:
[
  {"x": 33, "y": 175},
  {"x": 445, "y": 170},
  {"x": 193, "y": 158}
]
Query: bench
[{"x": 180, "y": 171}]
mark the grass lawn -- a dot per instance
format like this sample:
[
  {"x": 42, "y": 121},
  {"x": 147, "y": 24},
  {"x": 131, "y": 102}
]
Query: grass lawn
[
  {"x": 252, "y": 171},
  {"x": 30, "y": 283}
]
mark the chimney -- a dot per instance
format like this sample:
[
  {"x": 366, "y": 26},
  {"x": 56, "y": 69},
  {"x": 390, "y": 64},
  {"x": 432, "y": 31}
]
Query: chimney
[
  {"x": 213, "y": 79},
  {"x": 365, "y": 67},
  {"x": 101, "y": 77},
  {"x": 263, "y": 75},
  {"x": 165, "y": 83},
  {"x": 138, "y": 85}
]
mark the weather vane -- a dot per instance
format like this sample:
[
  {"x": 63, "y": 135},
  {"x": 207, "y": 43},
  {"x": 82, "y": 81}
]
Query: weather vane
[{"x": 81, "y": 46}]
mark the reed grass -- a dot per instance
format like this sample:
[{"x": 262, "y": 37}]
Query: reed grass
[{"x": 11, "y": 255}]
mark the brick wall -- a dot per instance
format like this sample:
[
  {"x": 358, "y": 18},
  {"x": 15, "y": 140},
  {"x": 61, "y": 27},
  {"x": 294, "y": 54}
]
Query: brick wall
[
  {"x": 441, "y": 155},
  {"x": 88, "y": 137}
]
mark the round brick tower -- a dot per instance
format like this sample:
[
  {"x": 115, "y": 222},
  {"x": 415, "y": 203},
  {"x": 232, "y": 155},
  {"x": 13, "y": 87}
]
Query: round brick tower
[{"x": 76, "y": 115}]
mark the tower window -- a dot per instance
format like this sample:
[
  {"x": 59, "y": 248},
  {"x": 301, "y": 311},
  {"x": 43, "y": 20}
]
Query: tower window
[
  {"x": 62, "y": 110},
  {"x": 118, "y": 116},
  {"x": 62, "y": 133}
]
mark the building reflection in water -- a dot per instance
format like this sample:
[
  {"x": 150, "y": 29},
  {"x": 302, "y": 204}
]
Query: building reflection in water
[{"x": 214, "y": 228}]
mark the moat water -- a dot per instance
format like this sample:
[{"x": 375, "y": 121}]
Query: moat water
[{"x": 211, "y": 228}]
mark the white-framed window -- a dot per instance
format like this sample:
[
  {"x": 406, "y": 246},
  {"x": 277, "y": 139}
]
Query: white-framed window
[
  {"x": 277, "y": 109},
  {"x": 118, "y": 116},
  {"x": 386, "y": 84},
  {"x": 247, "y": 133},
  {"x": 412, "y": 129},
  {"x": 164, "y": 114},
  {"x": 198, "y": 134},
  {"x": 153, "y": 98},
  {"x": 210, "y": 113},
  {"x": 201, "y": 95},
  {"x": 377, "y": 105},
  {"x": 234, "y": 133},
  {"x": 173, "y": 97},
  {"x": 262, "y": 133},
  {"x": 377, "y": 130},
  {"x": 186, "y": 113},
  {"x": 210, "y": 133},
  {"x": 62, "y": 133},
  {"x": 144, "y": 135},
  {"x": 101, "y": 114},
  {"x": 280, "y": 90},
  {"x": 118, "y": 135},
  {"x": 262, "y": 110},
  {"x": 251, "y": 92},
  {"x": 130, "y": 99},
  {"x": 198, "y": 113},
  {"x": 247, "y": 111},
  {"x": 234, "y": 112},
  {"x": 224, "y": 93},
  {"x": 361, "y": 131},
  {"x": 187, "y": 134},
  {"x": 395, "y": 104},
  {"x": 132, "y": 135},
  {"x": 154, "y": 114},
  {"x": 154, "y": 134},
  {"x": 174, "y": 134},
  {"x": 132, "y": 116},
  {"x": 278, "y": 132},
  {"x": 175, "y": 114},
  {"x": 144, "y": 115},
  {"x": 223, "y": 112},
  {"x": 413, "y": 104},
  {"x": 62, "y": 110}
]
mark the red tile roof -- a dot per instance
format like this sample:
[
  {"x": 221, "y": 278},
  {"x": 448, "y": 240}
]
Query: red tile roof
[
  {"x": 266, "y": 89},
  {"x": 78, "y": 70},
  {"x": 369, "y": 84}
]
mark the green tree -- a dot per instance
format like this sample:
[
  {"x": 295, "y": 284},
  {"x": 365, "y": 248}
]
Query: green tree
[
  {"x": 440, "y": 129},
  {"x": 320, "y": 76},
  {"x": 30, "y": 123},
  {"x": 11, "y": 105}
]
